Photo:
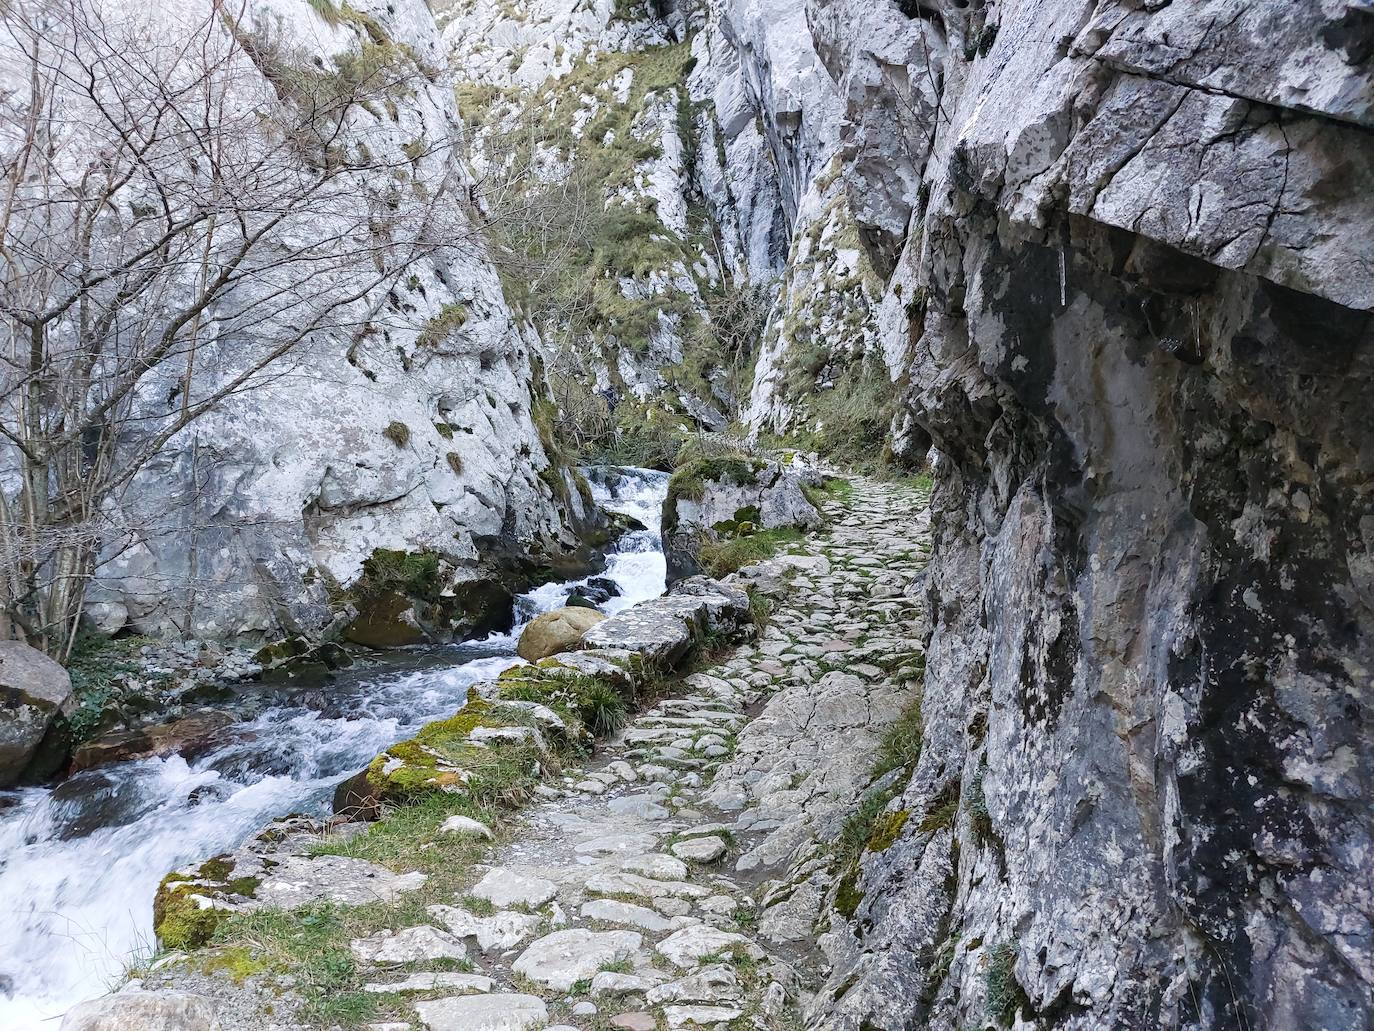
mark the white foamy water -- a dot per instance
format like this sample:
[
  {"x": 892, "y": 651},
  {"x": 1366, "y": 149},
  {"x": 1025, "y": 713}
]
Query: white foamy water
[
  {"x": 637, "y": 567},
  {"x": 79, "y": 863}
]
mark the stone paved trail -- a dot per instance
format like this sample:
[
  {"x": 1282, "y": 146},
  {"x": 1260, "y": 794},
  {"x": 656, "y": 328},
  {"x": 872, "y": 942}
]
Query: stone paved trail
[
  {"x": 676, "y": 882},
  {"x": 680, "y": 880}
]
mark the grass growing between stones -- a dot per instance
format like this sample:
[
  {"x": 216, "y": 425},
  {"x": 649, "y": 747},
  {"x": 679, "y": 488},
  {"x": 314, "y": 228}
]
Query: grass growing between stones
[
  {"x": 312, "y": 944},
  {"x": 1005, "y": 995},
  {"x": 723, "y": 557},
  {"x": 835, "y": 488}
]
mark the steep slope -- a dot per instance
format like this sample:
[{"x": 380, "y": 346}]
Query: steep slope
[
  {"x": 1128, "y": 277},
  {"x": 580, "y": 115},
  {"x": 426, "y": 430},
  {"x": 697, "y": 146}
]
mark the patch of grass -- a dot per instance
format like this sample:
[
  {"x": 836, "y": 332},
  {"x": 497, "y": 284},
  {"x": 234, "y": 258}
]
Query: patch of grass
[
  {"x": 760, "y": 611},
  {"x": 237, "y": 964},
  {"x": 944, "y": 807},
  {"x": 600, "y": 706},
  {"x": 397, "y": 432},
  {"x": 721, "y": 558},
  {"x": 393, "y": 842},
  {"x": 312, "y": 944},
  {"x": 859, "y": 827},
  {"x": 326, "y": 10},
  {"x": 1005, "y": 994},
  {"x": 850, "y": 420},
  {"x": 901, "y": 743},
  {"x": 438, "y": 329}
]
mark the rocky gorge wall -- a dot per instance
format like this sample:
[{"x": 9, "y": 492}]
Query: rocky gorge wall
[
  {"x": 427, "y": 432},
  {"x": 704, "y": 137},
  {"x": 1115, "y": 260},
  {"x": 1127, "y": 263}
]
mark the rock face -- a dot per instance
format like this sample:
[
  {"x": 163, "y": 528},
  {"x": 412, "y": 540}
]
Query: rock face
[
  {"x": 1127, "y": 282},
  {"x": 556, "y": 631},
  {"x": 709, "y": 132},
  {"x": 712, "y": 498},
  {"x": 428, "y": 434},
  {"x": 34, "y": 690}
]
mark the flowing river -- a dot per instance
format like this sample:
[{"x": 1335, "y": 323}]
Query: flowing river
[{"x": 79, "y": 863}]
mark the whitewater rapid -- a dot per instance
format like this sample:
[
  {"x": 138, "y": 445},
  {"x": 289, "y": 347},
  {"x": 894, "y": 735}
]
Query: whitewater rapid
[{"x": 79, "y": 863}]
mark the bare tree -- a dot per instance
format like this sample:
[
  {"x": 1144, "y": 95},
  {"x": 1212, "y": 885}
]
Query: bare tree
[{"x": 188, "y": 210}]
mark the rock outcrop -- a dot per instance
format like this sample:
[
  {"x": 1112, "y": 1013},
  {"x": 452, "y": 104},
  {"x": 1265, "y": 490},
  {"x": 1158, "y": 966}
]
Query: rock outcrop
[
  {"x": 34, "y": 691},
  {"x": 727, "y": 498},
  {"x": 426, "y": 433},
  {"x": 1127, "y": 280}
]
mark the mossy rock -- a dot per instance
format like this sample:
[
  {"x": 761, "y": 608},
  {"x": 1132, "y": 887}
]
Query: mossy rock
[
  {"x": 690, "y": 479},
  {"x": 180, "y": 922},
  {"x": 185, "y": 913},
  {"x": 385, "y": 620},
  {"x": 438, "y": 758}
]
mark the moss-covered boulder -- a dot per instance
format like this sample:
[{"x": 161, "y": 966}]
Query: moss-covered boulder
[
  {"x": 558, "y": 631},
  {"x": 386, "y": 620},
  {"x": 189, "y": 905},
  {"x": 483, "y": 750}
]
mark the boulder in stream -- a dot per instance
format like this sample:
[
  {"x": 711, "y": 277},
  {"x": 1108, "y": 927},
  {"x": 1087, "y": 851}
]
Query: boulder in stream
[
  {"x": 34, "y": 690},
  {"x": 187, "y": 736},
  {"x": 558, "y": 631}
]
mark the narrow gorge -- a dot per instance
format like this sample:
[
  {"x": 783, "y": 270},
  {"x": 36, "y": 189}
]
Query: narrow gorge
[{"x": 576, "y": 515}]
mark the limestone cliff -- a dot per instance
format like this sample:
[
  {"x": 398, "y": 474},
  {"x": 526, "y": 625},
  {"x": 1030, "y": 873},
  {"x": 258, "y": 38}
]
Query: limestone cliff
[
  {"x": 426, "y": 431},
  {"x": 703, "y": 140},
  {"x": 1126, "y": 251}
]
